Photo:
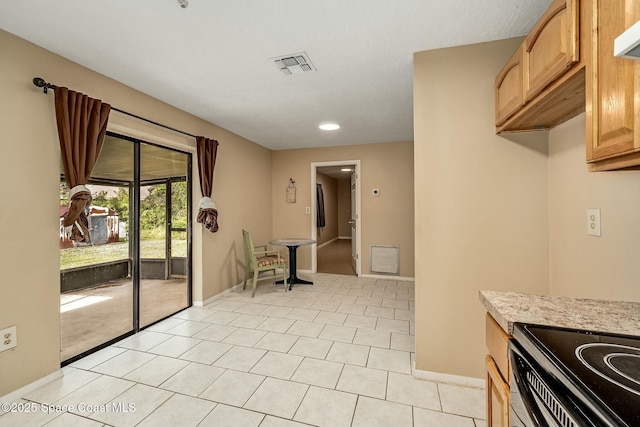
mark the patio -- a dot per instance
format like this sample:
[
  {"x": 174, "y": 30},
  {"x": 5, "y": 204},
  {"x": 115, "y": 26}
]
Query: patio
[{"x": 93, "y": 316}]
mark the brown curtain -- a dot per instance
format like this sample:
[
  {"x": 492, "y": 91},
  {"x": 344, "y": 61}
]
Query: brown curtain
[
  {"x": 82, "y": 124},
  {"x": 207, "y": 212}
]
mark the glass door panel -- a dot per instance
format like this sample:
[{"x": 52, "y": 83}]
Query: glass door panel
[
  {"x": 178, "y": 229},
  {"x": 96, "y": 286},
  {"x": 164, "y": 198}
]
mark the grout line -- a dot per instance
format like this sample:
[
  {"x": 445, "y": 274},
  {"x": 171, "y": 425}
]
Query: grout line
[
  {"x": 439, "y": 397},
  {"x": 355, "y": 409},
  {"x": 373, "y": 289}
]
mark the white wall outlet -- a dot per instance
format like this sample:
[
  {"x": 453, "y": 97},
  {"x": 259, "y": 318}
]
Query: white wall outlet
[
  {"x": 307, "y": 210},
  {"x": 8, "y": 338},
  {"x": 593, "y": 222},
  {"x": 376, "y": 192}
]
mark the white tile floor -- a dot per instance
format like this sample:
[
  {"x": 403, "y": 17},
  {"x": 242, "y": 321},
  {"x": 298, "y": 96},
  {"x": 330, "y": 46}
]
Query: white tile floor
[{"x": 337, "y": 353}]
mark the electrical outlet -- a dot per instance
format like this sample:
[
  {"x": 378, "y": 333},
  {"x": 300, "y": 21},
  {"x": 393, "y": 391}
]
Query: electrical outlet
[
  {"x": 8, "y": 338},
  {"x": 593, "y": 222}
]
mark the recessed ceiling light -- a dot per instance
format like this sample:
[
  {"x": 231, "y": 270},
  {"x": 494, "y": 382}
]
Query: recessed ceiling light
[
  {"x": 329, "y": 126},
  {"x": 345, "y": 170}
]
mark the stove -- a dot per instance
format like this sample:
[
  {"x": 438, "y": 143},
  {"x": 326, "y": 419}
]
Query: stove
[{"x": 567, "y": 377}]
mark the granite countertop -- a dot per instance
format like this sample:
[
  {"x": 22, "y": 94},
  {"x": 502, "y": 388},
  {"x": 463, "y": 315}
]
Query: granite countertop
[{"x": 617, "y": 317}]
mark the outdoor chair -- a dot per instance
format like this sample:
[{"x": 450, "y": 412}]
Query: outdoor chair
[{"x": 260, "y": 260}]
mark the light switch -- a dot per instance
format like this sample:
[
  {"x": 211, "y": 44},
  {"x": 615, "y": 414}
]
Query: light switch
[
  {"x": 307, "y": 210},
  {"x": 593, "y": 222}
]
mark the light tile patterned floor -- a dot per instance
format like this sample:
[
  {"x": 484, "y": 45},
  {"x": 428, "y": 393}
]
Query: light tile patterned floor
[{"x": 338, "y": 353}]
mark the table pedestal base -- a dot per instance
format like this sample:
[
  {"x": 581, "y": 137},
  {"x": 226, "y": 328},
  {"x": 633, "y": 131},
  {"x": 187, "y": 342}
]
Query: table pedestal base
[{"x": 293, "y": 279}]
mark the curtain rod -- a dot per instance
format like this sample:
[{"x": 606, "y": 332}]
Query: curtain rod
[{"x": 40, "y": 82}]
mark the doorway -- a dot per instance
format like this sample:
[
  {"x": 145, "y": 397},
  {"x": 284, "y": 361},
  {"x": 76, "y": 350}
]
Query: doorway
[
  {"x": 137, "y": 271},
  {"x": 335, "y": 217}
]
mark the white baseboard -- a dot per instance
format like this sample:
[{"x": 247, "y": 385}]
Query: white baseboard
[
  {"x": 217, "y": 296},
  {"x": 449, "y": 379},
  {"x": 233, "y": 288},
  {"x": 374, "y": 276},
  {"x": 19, "y": 393},
  {"x": 226, "y": 291},
  {"x": 327, "y": 243},
  {"x": 385, "y": 277}
]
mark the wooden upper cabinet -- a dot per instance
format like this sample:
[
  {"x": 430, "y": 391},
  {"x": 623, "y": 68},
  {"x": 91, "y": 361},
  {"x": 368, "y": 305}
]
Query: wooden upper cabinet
[
  {"x": 509, "y": 97},
  {"x": 543, "y": 84},
  {"x": 552, "y": 47},
  {"x": 613, "y": 90}
]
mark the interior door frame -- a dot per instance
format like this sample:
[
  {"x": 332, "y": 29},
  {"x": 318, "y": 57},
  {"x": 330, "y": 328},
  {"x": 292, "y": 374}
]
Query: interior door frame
[{"x": 314, "y": 208}]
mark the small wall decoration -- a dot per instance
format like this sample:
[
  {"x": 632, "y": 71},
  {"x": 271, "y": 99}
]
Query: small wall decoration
[{"x": 291, "y": 191}]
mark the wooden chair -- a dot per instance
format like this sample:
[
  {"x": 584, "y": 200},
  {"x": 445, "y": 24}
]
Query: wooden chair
[{"x": 260, "y": 260}]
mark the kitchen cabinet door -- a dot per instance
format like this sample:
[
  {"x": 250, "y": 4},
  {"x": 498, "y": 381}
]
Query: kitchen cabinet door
[
  {"x": 497, "y": 342},
  {"x": 543, "y": 84},
  {"x": 508, "y": 88},
  {"x": 613, "y": 90},
  {"x": 497, "y": 396},
  {"x": 552, "y": 47}
]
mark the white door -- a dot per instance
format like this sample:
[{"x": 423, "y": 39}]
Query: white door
[{"x": 354, "y": 252}]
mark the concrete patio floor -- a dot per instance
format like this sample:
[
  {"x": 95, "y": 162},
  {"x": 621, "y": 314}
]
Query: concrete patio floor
[{"x": 93, "y": 316}]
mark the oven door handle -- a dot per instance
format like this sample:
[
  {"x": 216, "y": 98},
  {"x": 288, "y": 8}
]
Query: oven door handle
[{"x": 581, "y": 416}]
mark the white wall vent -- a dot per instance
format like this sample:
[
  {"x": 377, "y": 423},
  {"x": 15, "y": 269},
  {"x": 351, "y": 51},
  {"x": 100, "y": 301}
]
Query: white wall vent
[
  {"x": 296, "y": 63},
  {"x": 384, "y": 259}
]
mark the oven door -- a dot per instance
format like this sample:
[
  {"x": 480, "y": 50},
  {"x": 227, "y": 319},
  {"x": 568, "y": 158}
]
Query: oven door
[{"x": 537, "y": 399}]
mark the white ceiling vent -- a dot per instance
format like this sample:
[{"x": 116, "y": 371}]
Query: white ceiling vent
[{"x": 297, "y": 63}]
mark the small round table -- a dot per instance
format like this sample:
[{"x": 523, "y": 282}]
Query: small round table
[{"x": 292, "y": 244}]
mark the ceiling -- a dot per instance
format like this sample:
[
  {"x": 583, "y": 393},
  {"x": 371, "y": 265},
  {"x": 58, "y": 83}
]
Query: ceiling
[
  {"x": 336, "y": 172},
  {"x": 214, "y": 59},
  {"x": 116, "y": 162}
]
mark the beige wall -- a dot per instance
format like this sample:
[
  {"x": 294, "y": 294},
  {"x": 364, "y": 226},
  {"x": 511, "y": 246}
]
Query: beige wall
[
  {"x": 344, "y": 207},
  {"x": 29, "y": 169},
  {"x": 481, "y": 205},
  {"x": 386, "y": 219},
  {"x": 330, "y": 193},
  {"x": 585, "y": 266},
  {"x": 490, "y": 213}
]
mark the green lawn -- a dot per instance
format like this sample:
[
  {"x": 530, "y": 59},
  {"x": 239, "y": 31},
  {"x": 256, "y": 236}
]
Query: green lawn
[{"x": 88, "y": 255}]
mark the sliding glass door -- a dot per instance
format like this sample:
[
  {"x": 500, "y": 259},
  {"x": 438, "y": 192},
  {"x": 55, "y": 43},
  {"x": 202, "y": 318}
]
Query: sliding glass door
[
  {"x": 137, "y": 269},
  {"x": 164, "y": 215}
]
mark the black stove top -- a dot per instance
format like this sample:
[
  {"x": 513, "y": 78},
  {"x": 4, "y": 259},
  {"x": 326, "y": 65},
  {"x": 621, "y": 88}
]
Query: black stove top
[{"x": 603, "y": 369}]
